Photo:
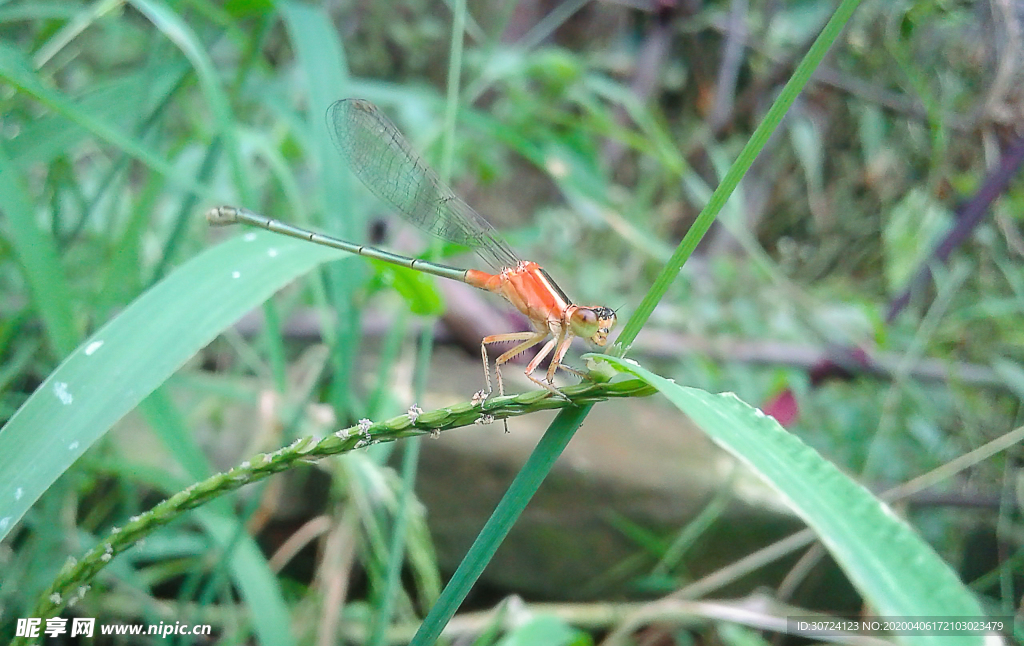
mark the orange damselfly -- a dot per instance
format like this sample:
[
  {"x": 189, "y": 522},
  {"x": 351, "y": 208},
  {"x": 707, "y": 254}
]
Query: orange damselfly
[{"x": 384, "y": 161}]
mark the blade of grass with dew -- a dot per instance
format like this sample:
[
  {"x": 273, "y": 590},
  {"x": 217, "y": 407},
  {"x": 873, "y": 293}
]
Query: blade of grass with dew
[
  {"x": 565, "y": 425},
  {"x": 111, "y": 372},
  {"x": 906, "y": 578},
  {"x": 39, "y": 259}
]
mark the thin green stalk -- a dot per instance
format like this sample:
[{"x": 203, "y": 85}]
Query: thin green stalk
[
  {"x": 694, "y": 529},
  {"x": 387, "y": 356},
  {"x": 396, "y": 555},
  {"x": 549, "y": 23},
  {"x": 15, "y": 71},
  {"x": 174, "y": 27},
  {"x": 498, "y": 525},
  {"x": 39, "y": 261},
  {"x": 116, "y": 170}
]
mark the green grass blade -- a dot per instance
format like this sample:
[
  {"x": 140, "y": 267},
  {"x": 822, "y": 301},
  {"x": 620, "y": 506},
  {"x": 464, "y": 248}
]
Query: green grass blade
[
  {"x": 451, "y": 107},
  {"x": 383, "y": 615},
  {"x": 519, "y": 493},
  {"x": 39, "y": 260},
  {"x": 15, "y": 69},
  {"x": 121, "y": 101},
  {"x": 37, "y": 11},
  {"x": 110, "y": 373},
  {"x": 387, "y": 599},
  {"x": 898, "y": 574}
]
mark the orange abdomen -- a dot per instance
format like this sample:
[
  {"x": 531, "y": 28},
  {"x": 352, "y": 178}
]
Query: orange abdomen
[{"x": 527, "y": 287}]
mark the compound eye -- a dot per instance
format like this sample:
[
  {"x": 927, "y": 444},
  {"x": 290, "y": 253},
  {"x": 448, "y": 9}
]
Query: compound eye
[{"x": 588, "y": 316}]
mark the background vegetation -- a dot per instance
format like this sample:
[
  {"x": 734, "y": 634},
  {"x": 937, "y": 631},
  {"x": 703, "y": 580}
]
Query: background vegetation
[{"x": 592, "y": 135}]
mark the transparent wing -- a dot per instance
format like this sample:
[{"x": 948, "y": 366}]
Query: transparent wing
[{"x": 382, "y": 159}]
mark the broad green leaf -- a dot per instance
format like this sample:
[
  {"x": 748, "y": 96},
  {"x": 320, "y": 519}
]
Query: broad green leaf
[
  {"x": 898, "y": 574},
  {"x": 111, "y": 372},
  {"x": 115, "y": 369}
]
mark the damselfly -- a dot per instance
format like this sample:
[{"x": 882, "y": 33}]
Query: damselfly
[{"x": 384, "y": 161}]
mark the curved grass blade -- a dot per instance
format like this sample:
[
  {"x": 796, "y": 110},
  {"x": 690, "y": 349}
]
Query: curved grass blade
[
  {"x": 321, "y": 58},
  {"x": 893, "y": 568},
  {"x": 110, "y": 373}
]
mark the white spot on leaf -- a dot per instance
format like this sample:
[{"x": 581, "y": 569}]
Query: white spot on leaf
[
  {"x": 61, "y": 390},
  {"x": 93, "y": 347}
]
